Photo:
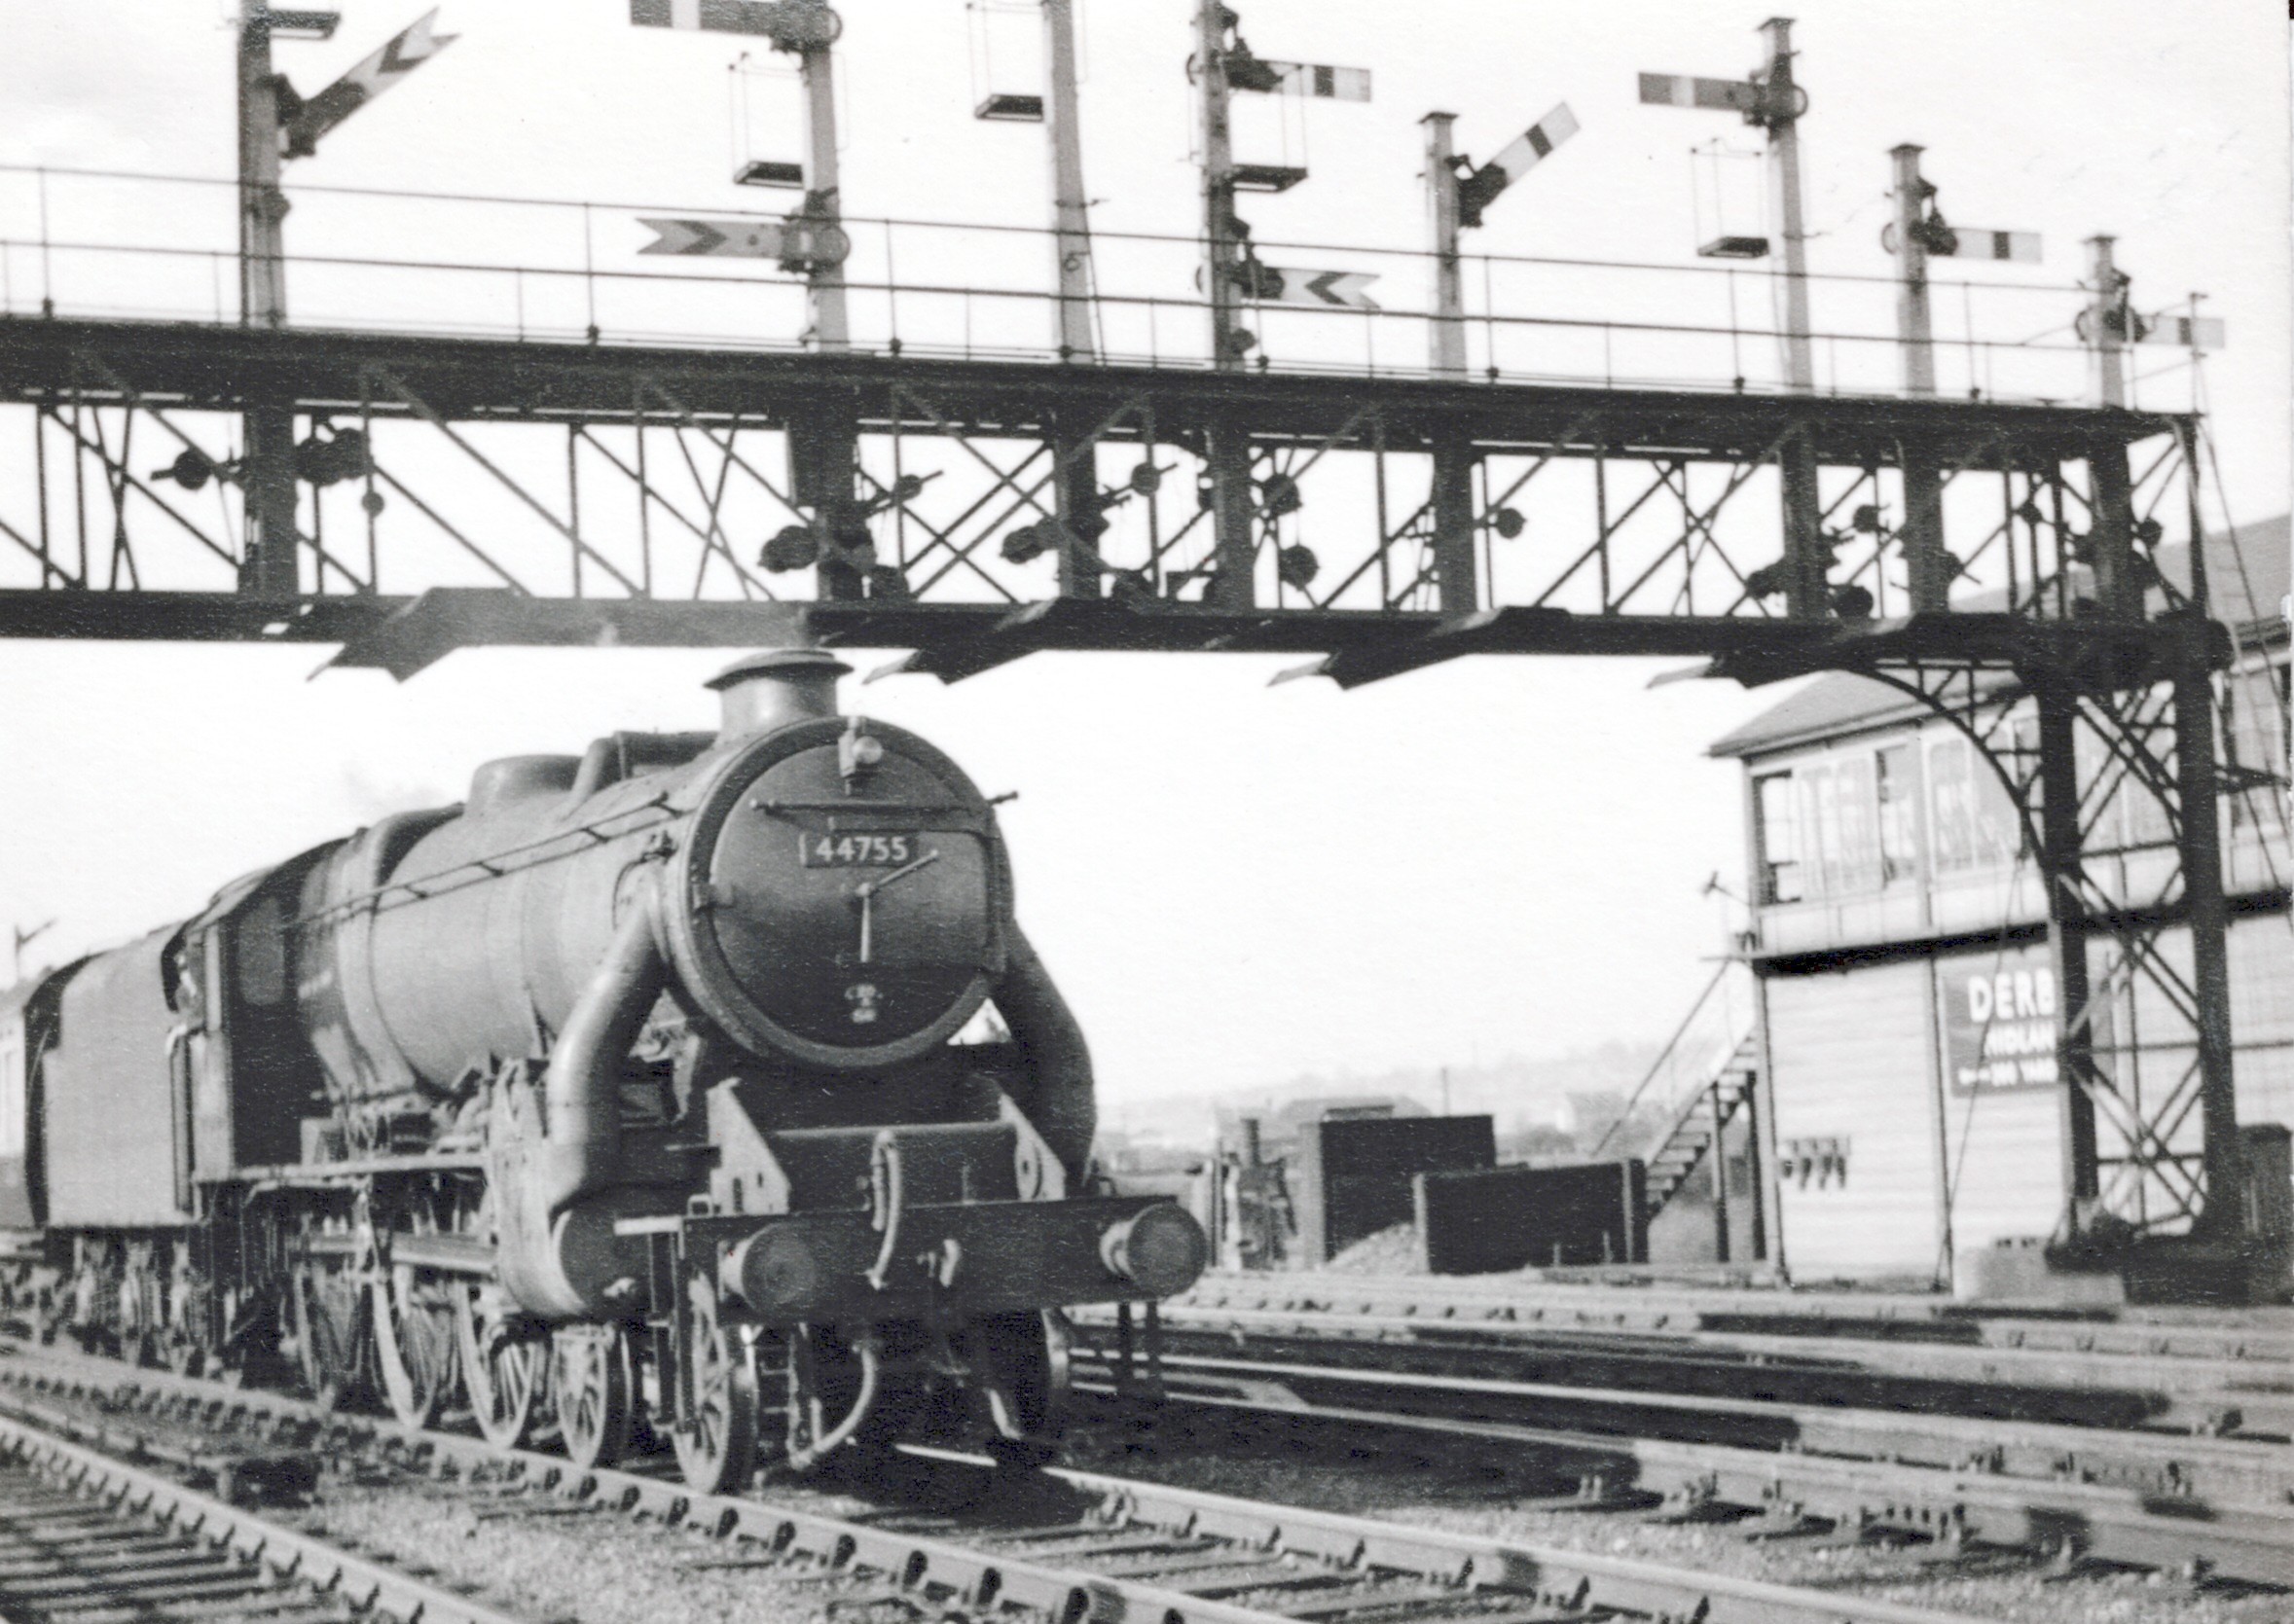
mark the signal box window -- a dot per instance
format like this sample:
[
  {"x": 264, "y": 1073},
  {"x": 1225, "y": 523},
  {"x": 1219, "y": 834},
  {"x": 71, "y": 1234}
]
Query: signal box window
[
  {"x": 1975, "y": 823},
  {"x": 1776, "y": 813},
  {"x": 1847, "y": 826},
  {"x": 1899, "y": 814}
]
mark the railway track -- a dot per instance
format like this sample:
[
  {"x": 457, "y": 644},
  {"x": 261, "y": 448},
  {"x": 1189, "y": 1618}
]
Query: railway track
[
  {"x": 2256, "y": 1338},
  {"x": 2193, "y": 1470},
  {"x": 85, "y": 1535},
  {"x": 2170, "y": 1393},
  {"x": 1069, "y": 1547},
  {"x": 1790, "y": 1490}
]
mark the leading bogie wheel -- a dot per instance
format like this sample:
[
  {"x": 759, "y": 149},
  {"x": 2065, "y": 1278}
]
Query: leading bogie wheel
[
  {"x": 717, "y": 1447},
  {"x": 590, "y": 1374}
]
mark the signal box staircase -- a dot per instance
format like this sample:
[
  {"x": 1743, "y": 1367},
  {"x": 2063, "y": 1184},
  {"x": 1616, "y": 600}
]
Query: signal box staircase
[
  {"x": 1705, "y": 1078},
  {"x": 1699, "y": 1122}
]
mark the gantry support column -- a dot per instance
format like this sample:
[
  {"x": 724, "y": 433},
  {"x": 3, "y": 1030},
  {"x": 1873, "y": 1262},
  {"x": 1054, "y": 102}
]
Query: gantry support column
[
  {"x": 1075, "y": 486},
  {"x": 1455, "y": 574},
  {"x": 267, "y": 562},
  {"x": 1806, "y": 594},
  {"x": 2118, "y": 593},
  {"x": 2069, "y": 929},
  {"x": 1928, "y": 567},
  {"x": 2197, "y": 787},
  {"x": 823, "y": 450},
  {"x": 2224, "y": 1216}
]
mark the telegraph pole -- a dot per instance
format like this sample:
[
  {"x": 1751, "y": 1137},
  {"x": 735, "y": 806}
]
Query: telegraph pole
[
  {"x": 1927, "y": 567},
  {"x": 2107, "y": 317},
  {"x": 1447, "y": 341},
  {"x": 1226, "y": 450},
  {"x": 1781, "y": 115}
]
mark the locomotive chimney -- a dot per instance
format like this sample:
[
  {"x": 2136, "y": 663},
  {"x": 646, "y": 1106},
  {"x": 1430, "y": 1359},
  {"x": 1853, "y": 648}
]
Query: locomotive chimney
[{"x": 772, "y": 689}]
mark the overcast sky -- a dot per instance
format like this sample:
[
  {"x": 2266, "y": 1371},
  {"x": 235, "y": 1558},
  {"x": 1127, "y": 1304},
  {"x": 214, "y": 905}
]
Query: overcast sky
[{"x": 1233, "y": 884}]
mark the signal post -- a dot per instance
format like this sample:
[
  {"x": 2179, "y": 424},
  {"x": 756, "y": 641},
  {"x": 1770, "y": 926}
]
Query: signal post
[{"x": 1928, "y": 567}]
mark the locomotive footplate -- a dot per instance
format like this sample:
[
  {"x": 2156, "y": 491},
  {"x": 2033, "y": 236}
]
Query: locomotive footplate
[{"x": 951, "y": 1261}]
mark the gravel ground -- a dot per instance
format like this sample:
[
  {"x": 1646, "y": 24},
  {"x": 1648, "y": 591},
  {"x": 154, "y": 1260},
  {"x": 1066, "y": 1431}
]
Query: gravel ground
[
  {"x": 1998, "y": 1585},
  {"x": 550, "y": 1562}
]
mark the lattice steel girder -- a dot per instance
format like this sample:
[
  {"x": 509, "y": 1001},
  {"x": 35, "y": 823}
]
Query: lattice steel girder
[
  {"x": 403, "y": 634},
  {"x": 477, "y": 379},
  {"x": 2104, "y": 737},
  {"x": 1022, "y": 442}
]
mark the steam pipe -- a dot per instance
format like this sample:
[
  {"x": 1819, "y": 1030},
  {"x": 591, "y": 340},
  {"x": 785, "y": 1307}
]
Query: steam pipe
[
  {"x": 582, "y": 1086},
  {"x": 1059, "y": 1101}
]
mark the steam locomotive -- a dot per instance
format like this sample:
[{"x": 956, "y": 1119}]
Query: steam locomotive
[{"x": 703, "y": 1083}]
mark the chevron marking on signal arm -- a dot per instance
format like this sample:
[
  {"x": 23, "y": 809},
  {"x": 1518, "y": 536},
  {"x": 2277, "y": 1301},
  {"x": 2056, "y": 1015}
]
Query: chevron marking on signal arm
[
  {"x": 400, "y": 55},
  {"x": 737, "y": 238},
  {"x": 1325, "y": 289}
]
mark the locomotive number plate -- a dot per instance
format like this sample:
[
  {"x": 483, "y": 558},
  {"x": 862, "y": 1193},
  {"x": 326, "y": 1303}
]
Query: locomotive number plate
[{"x": 857, "y": 850}]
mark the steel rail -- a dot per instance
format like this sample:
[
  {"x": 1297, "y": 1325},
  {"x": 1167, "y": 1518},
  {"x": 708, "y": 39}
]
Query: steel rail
[
  {"x": 1215, "y": 1551},
  {"x": 1948, "y": 1505},
  {"x": 2259, "y": 1335},
  {"x": 2210, "y": 1396},
  {"x": 239, "y": 1555},
  {"x": 2195, "y": 1474}
]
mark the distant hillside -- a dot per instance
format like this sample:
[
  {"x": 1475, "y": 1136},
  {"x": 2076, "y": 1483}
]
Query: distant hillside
[{"x": 1519, "y": 1091}]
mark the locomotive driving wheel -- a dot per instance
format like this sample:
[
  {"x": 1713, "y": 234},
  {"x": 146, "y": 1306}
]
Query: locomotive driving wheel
[
  {"x": 414, "y": 1342},
  {"x": 716, "y": 1445},
  {"x": 592, "y": 1374},
  {"x": 505, "y": 1368},
  {"x": 326, "y": 1312},
  {"x": 184, "y": 1343}
]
